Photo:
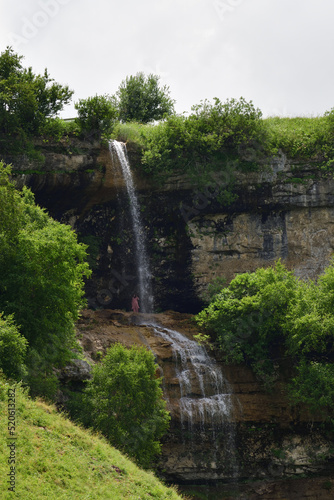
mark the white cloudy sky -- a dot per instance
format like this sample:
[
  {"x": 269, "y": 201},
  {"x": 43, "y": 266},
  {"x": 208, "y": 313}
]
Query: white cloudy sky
[{"x": 277, "y": 53}]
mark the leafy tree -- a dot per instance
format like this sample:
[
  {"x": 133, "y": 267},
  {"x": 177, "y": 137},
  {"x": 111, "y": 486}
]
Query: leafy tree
[
  {"x": 13, "y": 347},
  {"x": 42, "y": 267},
  {"x": 142, "y": 99},
  {"x": 233, "y": 123},
  {"x": 248, "y": 317},
  {"x": 27, "y": 99},
  {"x": 96, "y": 115},
  {"x": 124, "y": 401},
  {"x": 313, "y": 385},
  {"x": 270, "y": 319},
  {"x": 214, "y": 289}
]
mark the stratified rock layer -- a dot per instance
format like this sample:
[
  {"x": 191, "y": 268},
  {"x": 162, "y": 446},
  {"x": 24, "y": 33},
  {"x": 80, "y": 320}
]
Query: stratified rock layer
[{"x": 285, "y": 211}]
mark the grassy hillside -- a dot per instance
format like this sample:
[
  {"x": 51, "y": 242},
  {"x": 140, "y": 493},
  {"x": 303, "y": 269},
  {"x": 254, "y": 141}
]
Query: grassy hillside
[{"x": 56, "y": 459}]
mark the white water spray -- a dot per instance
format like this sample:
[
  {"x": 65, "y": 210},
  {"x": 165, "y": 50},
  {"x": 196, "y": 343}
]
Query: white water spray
[{"x": 195, "y": 369}]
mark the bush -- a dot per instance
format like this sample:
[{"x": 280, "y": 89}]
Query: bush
[
  {"x": 13, "y": 347},
  {"x": 214, "y": 289},
  {"x": 57, "y": 129},
  {"x": 142, "y": 99},
  {"x": 269, "y": 319},
  {"x": 215, "y": 137},
  {"x": 42, "y": 268},
  {"x": 96, "y": 116},
  {"x": 233, "y": 123},
  {"x": 124, "y": 402},
  {"x": 248, "y": 318},
  {"x": 314, "y": 386}
]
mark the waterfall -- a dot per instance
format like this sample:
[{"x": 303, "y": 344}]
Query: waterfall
[
  {"x": 205, "y": 402},
  {"x": 205, "y": 399},
  {"x": 196, "y": 369},
  {"x": 118, "y": 149}
]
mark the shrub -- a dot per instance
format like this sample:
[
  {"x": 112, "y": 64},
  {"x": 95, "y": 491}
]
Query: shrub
[
  {"x": 142, "y": 99},
  {"x": 270, "y": 318},
  {"x": 313, "y": 385},
  {"x": 215, "y": 137},
  {"x": 13, "y": 347},
  {"x": 42, "y": 268},
  {"x": 124, "y": 401},
  {"x": 96, "y": 116},
  {"x": 56, "y": 129},
  {"x": 214, "y": 289}
]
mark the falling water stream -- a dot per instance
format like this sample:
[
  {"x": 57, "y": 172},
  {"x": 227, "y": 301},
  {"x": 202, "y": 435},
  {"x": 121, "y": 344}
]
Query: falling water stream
[
  {"x": 205, "y": 395},
  {"x": 118, "y": 149}
]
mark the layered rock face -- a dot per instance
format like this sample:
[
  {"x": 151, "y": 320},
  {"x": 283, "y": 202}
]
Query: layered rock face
[{"x": 285, "y": 211}]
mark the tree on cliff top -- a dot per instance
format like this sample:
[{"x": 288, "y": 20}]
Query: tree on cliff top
[
  {"x": 142, "y": 99},
  {"x": 27, "y": 99},
  {"x": 96, "y": 115}
]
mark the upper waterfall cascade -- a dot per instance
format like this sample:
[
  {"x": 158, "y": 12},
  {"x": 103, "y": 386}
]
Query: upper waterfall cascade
[{"x": 118, "y": 149}]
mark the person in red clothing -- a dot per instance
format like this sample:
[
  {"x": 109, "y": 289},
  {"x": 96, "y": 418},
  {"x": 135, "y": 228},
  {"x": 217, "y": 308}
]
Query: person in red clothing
[{"x": 134, "y": 303}]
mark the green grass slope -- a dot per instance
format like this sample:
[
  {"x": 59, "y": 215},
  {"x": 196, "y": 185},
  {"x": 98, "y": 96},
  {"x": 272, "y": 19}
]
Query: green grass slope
[{"x": 56, "y": 459}]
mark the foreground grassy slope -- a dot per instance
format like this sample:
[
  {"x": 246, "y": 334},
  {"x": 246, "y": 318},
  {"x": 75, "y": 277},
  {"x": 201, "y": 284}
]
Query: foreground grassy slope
[{"x": 56, "y": 459}]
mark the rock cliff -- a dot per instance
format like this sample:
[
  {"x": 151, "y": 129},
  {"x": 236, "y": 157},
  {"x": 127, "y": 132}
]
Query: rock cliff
[{"x": 286, "y": 211}]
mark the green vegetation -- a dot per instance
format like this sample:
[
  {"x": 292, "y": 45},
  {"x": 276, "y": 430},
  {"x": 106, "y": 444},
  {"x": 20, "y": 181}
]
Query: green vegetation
[
  {"x": 42, "y": 268},
  {"x": 302, "y": 138},
  {"x": 272, "y": 321},
  {"x": 124, "y": 402},
  {"x": 13, "y": 347},
  {"x": 211, "y": 138},
  {"x": 215, "y": 137},
  {"x": 213, "y": 289},
  {"x": 142, "y": 99},
  {"x": 57, "y": 459},
  {"x": 27, "y": 101},
  {"x": 228, "y": 137},
  {"x": 56, "y": 130},
  {"x": 96, "y": 116}
]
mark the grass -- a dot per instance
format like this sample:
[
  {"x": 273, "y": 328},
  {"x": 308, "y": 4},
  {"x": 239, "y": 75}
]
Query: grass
[
  {"x": 131, "y": 133},
  {"x": 300, "y": 136},
  {"x": 56, "y": 459}
]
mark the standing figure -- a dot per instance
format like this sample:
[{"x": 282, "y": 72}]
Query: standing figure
[{"x": 134, "y": 303}]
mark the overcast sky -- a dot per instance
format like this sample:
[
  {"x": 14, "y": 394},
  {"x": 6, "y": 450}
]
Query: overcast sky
[{"x": 277, "y": 53}]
